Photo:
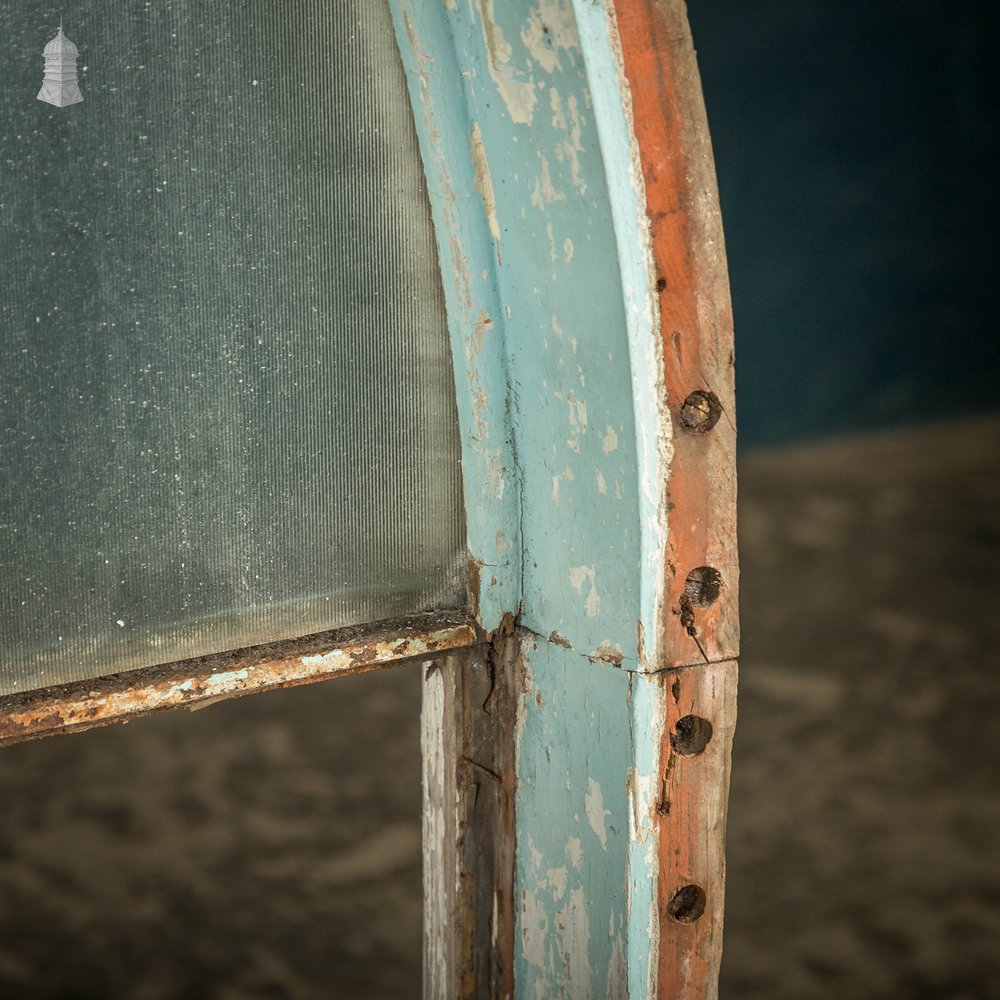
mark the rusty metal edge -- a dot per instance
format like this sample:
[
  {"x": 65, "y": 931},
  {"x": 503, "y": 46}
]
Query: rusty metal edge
[{"x": 200, "y": 682}]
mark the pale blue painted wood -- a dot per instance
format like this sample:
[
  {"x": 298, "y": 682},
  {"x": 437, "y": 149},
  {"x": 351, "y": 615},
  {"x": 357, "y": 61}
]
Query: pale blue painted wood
[
  {"x": 638, "y": 288},
  {"x": 646, "y": 716},
  {"x": 434, "y": 69},
  {"x": 541, "y": 226},
  {"x": 588, "y": 771},
  {"x": 566, "y": 334},
  {"x": 573, "y": 828},
  {"x": 528, "y": 135}
]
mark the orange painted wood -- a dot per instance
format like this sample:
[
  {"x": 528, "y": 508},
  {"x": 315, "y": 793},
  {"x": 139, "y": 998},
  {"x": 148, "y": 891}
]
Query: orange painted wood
[
  {"x": 692, "y": 829},
  {"x": 695, "y": 315},
  {"x": 696, "y": 328}
]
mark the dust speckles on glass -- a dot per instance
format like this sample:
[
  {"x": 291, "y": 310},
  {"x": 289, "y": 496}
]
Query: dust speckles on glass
[{"x": 227, "y": 414}]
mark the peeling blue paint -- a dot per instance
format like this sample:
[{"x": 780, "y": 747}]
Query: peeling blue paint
[
  {"x": 646, "y": 715},
  {"x": 512, "y": 137},
  {"x": 638, "y": 283},
  {"x": 566, "y": 335},
  {"x": 572, "y": 828},
  {"x": 541, "y": 226},
  {"x": 435, "y": 65}
]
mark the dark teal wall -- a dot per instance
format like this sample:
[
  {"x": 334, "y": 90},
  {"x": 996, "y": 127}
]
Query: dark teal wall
[{"x": 857, "y": 149}]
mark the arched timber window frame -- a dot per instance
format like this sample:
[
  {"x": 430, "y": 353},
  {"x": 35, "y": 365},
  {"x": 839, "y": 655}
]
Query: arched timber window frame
[
  {"x": 574, "y": 198},
  {"x": 578, "y": 715}
]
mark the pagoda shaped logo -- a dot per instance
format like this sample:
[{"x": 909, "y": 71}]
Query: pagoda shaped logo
[{"x": 59, "y": 86}]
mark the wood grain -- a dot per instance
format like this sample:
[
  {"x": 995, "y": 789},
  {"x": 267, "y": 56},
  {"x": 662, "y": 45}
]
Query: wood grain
[
  {"x": 700, "y": 639},
  {"x": 468, "y": 822},
  {"x": 696, "y": 324}
]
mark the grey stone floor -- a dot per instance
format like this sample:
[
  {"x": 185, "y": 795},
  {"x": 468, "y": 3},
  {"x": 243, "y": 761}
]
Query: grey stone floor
[{"x": 269, "y": 848}]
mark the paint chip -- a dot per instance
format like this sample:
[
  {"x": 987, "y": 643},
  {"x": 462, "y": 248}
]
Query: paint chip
[
  {"x": 484, "y": 183},
  {"x": 578, "y": 576},
  {"x": 593, "y": 802},
  {"x": 610, "y": 442},
  {"x": 575, "y": 851}
]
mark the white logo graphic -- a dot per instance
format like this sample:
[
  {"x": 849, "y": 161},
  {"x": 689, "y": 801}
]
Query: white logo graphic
[{"x": 60, "y": 87}]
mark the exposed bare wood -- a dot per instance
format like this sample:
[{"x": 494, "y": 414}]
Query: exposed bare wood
[
  {"x": 467, "y": 740},
  {"x": 440, "y": 741},
  {"x": 700, "y": 636},
  {"x": 204, "y": 681},
  {"x": 575, "y": 322},
  {"x": 697, "y": 744}
]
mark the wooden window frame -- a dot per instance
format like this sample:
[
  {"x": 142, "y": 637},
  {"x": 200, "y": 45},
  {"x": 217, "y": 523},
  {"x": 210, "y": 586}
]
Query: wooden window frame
[
  {"x": 203, "y": 681},
  {"x": 577, "y": 766},
  {"x": 577, "y": 720}
]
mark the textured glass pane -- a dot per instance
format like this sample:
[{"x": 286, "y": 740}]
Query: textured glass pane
[{"x": 226, "y": 404}]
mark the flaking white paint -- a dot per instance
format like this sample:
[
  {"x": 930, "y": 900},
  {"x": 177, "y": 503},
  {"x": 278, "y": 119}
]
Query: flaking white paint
[
  {"x": 610, "y": 442},
  {"x": 642, "y": 795},
  {"x": 550, "y": 28},
  {"x": 578, "y": 576},
  {"x": 616, "y": 986},
  {"x": 574, "y": 849},
  {"x": 544, "y": 192},
  {"x": 226, "y": 678},
  {"x": 573, "y": 929},
  {"x": 556, "y": 879},
  {"x": 571, "y": 148},
  {"x": 495, "y": 481},
  {"x": 593, "y": 804},
  {"x": 577, "y": 411},
  {"x": 517, "y": 94},
  {"x": 536, "y": 855},
  {"x": 552, "y": 242},
  {"x": 484, "y": 183},
  {"x": 534, "y": 930}
]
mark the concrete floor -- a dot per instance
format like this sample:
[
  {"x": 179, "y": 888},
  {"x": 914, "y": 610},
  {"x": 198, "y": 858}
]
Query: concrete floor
[{"x": 269, "y": 848}]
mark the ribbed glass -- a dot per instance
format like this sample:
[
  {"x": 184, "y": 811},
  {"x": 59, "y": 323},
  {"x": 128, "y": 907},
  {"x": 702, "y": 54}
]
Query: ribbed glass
[{"x": 227, "y": 413}]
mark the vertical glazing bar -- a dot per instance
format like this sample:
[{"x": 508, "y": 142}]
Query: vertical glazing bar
[{"x": 468, "y": 780}]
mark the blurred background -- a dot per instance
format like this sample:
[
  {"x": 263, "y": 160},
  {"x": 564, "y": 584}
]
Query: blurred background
[
  {"x": 270, "y": 847},
  {"x": 856, "y": 149}
]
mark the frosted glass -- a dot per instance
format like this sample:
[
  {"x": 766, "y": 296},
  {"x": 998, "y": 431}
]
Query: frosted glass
[{"x": 227, "y": 413}]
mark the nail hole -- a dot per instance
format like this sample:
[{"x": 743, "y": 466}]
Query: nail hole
[
  {"x": 661, "y": 284},
  {"x": 703, "y": 586},
  {"x": 691, "y": 735},
  {"x": 701, "y": 411},
  {"x": 688, "y": 904}
]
